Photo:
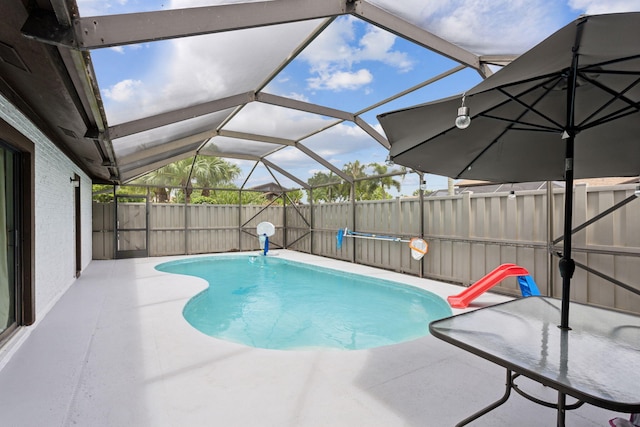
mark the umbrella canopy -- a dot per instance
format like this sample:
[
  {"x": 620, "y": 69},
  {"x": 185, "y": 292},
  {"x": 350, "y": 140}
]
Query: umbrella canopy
[
  {"x": 521, "y": 112},
  {"x": 567, "y": 108}
]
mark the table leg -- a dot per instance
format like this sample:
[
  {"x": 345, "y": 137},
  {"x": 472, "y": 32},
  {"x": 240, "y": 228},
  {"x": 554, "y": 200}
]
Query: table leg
[{"x": 503, "y": 399}]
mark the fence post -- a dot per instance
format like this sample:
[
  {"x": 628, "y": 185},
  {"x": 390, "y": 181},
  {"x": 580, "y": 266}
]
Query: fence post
[
  {"x": 550, "y": 237},
  {"x": 147, "y": 209},
  {"x": 284, "y": 220},
  {"x": 580, "y": 210},
  {"x": 240, "y": 220},
  {"x": 186, "y": 224},
  {"x": 423, "y": 185},
  {"x": 466, "y": 231},
  {"x": 311, "y": 220},
  {"x": 353, "y": 218},
  {"x": 115, "y": 222}
]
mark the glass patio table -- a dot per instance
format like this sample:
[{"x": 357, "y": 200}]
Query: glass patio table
[{"x": 597, "y": 361}]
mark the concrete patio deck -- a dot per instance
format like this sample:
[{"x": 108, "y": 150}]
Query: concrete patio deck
[{"x": 116, "y": 351}]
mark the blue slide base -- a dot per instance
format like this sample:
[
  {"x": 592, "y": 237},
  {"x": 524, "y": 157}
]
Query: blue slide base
[{"x": 528, "y": 286}]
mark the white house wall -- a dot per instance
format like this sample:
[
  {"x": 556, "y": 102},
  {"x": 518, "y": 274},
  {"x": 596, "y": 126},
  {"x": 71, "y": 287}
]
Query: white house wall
[{"x": 54, "y": 214}]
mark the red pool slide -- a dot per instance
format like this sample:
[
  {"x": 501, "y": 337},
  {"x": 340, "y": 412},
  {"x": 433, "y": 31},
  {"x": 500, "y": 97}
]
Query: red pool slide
[{"x": 464, "y": 298}]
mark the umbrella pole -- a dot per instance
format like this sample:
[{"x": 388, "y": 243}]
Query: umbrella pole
[{"x": 566, "y": 265}]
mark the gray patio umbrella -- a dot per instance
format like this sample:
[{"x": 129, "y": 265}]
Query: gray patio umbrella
[{"x": 568, "y": 108}]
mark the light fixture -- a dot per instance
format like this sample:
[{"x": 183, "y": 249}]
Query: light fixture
[
  {"x": 389, "y": 161},
  {"x": 75, "y": 181},
  {"x": 423, "y": 185},
  {"x": 512, "y": 195},
  {"x": 463, "y": 120}
]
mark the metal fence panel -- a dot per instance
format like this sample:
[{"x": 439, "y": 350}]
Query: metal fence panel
[{"x": 103, "y": 220}]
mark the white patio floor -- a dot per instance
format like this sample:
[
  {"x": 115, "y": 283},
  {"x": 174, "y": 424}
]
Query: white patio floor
[{"x": 116, "y": 351}]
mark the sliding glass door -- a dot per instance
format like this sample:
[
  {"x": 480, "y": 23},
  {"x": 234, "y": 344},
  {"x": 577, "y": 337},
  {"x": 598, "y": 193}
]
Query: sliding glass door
[{"x": 8, "y": 240}]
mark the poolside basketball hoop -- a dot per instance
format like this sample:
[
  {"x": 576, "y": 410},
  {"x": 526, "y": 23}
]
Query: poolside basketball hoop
[
  {"x": 265, "y": 230},
  {"x": 418, "y": 247}
]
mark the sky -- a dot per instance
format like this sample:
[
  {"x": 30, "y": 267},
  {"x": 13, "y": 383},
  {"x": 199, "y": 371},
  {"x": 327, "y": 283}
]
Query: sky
[{"x": 351, "y": 66}]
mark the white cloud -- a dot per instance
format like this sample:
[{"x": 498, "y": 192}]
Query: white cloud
[
  {"x": 297, "y": 96},
  {"x": 497, "y": 26},
  {"x": 333, "y": 55},
  {"x": 118, "y": 49},
  {"x": 332, "y": 46},
  {"x": 123, "y": 91},
  {"x": 344, "y": 138},
  {"x": 377, "y": 45},
  {"x": 501, "y": 26},
  {"x": 181, "y": 4},
  {"x": 101, "y": 7},
  {"x": 93, "y": 7},
  {"x": 198, "y": 69},
  {"x": 594, "y": 7},
  {"x": 341, "y": 80},
  {"x": 262, "y": 119},
  {"x": 290, "y": 157},
  {"x": 313, "y": 171}
]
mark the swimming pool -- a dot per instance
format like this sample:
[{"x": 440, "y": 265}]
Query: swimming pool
[{"x": 269, "y": 302}]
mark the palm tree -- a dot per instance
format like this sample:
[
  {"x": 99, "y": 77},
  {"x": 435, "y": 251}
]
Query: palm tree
[
  {"x": 382, "y": 184},
  {"x": 206, "y": 171},
  {"x": 323, "y": 192},
  {"x": 209, "y": 171},
  {"x": 356, "y": 170},
  {"x": 164, "y": 176}
]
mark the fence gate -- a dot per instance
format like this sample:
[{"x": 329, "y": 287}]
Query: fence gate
[{"x": 132, "y": 226}]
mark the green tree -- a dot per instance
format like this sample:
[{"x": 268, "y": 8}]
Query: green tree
[
  {"x": 377, "y": 187},
  {"x": 230, "y": 197},
  {"x": 103, "y": 193},
  {"x": 425, "y": 193},
  {"x": 203, "y": 171},
  {"x": 374, "y": 188},
  {"x": 291, "y": 196},
  {"x": 294, "y": 196},
  {"x": 357, "y": 170},
  {"x": 326, "y": 193},
  {"x": 209, "y": 171}
]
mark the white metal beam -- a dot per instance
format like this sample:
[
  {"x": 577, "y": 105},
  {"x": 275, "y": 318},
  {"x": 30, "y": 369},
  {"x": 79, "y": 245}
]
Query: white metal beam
[
  {"x": 179, "y": 145},
  {"x": 383, "y": 19},
  {"x": 282, "y": 142},
  {"x": 413, "y": 89},
  {"x": 155, "y": 162},
  {"x": 285, "y": 173},
  {"x": 294, "y": 54},
  {"x": 500, "y": 60},
  {"x": 163, "y": 119},
  {"x": 238, "y": 156},
  {"x": 255, "y": 137},
  {"x": 117, "y": 30},
  {"x": 372, "y": 132},
  {"x": 324, "y": 162},
  {"x": 308, "y": 107},
  {"x": 136, "y": 172}
]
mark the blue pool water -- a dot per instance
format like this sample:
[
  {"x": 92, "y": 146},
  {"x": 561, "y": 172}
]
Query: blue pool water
[{"x": 269, "y": 302}]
